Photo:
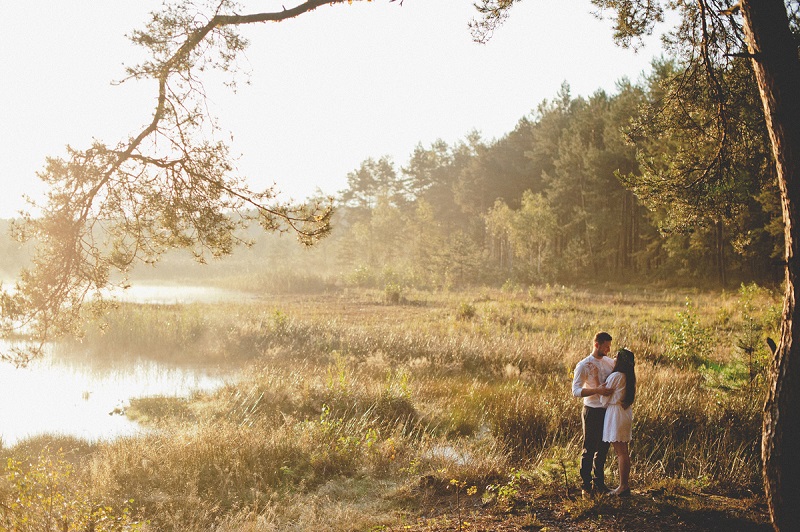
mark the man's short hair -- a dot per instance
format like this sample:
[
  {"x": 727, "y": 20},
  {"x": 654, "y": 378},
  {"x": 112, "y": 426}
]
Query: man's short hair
[{"x": 602, "y": 337}]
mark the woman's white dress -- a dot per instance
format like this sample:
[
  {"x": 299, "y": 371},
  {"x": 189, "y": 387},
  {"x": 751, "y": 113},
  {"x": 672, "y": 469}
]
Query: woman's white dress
[{"x": 619, "y": 421}]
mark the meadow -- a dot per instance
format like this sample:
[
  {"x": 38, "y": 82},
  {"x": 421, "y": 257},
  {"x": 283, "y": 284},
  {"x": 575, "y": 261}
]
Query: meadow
[{"x": 403, "y": 410}]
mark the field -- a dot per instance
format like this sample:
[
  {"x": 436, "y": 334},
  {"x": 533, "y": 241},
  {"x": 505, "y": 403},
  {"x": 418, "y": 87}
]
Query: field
[{"x": 402, "y": 410}]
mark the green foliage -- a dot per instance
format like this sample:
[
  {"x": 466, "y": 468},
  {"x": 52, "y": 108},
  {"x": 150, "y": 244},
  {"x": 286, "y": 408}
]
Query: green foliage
[
  {"x": 725, "y": 376},
  {"x": 362, "y": 276},
  {"x": 504, "y": 494},
  {"x": 337, "y": 380},
  {"x": 510, "y": 286},
  {"x": 466, "y": 311},
  {"x": 550, "y": 201},
  {"x": 758, "y": 321},
  {"x": 561, "y": 215},
  {"x": 393, "y": 293},
  {"x": 45, "y": 497},
  {"x": 690, "y": 343},
  {"x": 542, "y": 204}
]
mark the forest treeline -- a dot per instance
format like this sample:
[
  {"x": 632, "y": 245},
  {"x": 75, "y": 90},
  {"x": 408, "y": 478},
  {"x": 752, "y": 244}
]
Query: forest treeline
[
  {"x": 579, "y": 191},
  {"x": 583, "y": 189}
]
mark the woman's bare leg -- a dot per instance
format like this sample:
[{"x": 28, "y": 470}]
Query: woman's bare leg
[{"x": 624, "y": 462}]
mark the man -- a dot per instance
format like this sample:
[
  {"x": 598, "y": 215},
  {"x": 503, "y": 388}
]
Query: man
[{"x": 588, "y": 382}]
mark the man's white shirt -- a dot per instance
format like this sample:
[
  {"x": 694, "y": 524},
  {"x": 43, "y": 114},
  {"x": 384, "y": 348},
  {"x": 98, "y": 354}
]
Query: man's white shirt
[{"x": 591, "y": 373}]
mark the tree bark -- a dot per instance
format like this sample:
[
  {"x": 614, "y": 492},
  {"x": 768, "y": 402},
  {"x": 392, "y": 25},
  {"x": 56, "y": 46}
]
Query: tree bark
[
  {"x": 777, "y": 70},
  {"x": 719, "y": 253}
]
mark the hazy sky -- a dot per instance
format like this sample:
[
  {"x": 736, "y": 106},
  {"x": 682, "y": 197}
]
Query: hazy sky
[{"x": 327, "y": 89}]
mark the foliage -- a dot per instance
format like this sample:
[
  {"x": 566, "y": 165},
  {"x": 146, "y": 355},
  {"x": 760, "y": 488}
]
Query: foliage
[
  {"x": 171, "y": 185},
  {"x": 44, "y": 497},
  {"x": 561, "y": 210},
  {"x": 466, "y": 311},
  {"x": 690, "y": 342},
  {"x": 529, "y": 232},
  {"x": 700, "y": 169},
  {"x": 505, "y": 493},
  {"x": 560, "y": 215},
  {"x": 393, "y": 293},
  {"x": 755, "y": 328}
]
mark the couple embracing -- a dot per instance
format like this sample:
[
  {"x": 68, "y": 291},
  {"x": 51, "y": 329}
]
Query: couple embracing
[{"x": 608, "y": 388}]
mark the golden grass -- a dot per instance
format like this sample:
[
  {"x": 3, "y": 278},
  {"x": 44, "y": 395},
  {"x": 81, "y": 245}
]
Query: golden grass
[{"x": 353, "y": 409}]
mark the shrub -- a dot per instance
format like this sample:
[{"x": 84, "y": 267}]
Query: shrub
[
  {"x": 755, "y": 325},
  {"x": 393, "y": 293},
  {"x": 466, "y": 311},
  {"x": 45, "y": 497},
  {"x": 690, "y": 343}
]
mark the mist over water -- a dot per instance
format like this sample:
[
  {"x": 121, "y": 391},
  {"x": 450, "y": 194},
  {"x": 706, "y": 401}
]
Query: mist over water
[
  {"x": 63, "y": 396},
  {"x": 70, "y": 394},
  {"x": 159, "y": 294}
]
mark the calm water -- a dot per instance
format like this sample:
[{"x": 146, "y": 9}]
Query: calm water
[
  {"x": 78, "y": 397},
  {"x": 166, "y": 295}
]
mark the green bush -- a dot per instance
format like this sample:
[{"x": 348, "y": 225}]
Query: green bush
[
  {"x": 393, "y": 293},
  {"x": 466, "y": 311},
  {"x": 690, "y": 343},
  {"x": 44, "y": 496}
]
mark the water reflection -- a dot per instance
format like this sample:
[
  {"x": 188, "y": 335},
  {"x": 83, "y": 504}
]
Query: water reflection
[
  {"x": 61, "y": 396},
  {"x": 69, "y": 394},
  {"x": 160, "y": 294}
]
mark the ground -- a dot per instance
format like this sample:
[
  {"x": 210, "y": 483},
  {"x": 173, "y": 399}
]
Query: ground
[{"x": 648, "y": 510}]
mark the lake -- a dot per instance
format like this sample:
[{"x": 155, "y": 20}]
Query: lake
[{"x": 77, "y": 396}]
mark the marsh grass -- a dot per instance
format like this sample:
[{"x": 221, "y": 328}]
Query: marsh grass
[{"x": 355, "y": 410}]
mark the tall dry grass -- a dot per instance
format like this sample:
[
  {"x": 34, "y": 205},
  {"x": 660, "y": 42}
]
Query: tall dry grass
[{"x": 352, "y": 408}]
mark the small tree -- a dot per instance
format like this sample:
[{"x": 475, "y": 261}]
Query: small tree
[
  {"x": 533, "y": 232},
  {"x": 690, "y": 342}
]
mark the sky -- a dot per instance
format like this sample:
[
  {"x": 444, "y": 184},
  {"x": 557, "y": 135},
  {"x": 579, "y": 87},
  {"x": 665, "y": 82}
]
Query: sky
[{"x": 325, "y": 91}]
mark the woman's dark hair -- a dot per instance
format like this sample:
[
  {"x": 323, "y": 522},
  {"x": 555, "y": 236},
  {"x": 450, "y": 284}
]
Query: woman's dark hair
[{"x": 625, "y": 365}]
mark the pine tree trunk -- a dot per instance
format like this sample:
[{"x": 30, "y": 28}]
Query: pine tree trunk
[
  {"x": 777, "y": 70},
  {"x": 719, "y": 252}
]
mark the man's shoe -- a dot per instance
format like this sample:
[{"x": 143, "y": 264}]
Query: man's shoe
[
  {"x": 587, "y": 493},
  {"x": 602, "y": 489}
]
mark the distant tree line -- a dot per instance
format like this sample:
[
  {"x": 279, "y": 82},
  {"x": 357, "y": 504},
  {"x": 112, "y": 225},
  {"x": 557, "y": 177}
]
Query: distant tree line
[{"x": 583, "y": 189}]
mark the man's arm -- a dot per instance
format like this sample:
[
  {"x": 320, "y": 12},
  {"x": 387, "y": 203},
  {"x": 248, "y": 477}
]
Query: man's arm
[
  {"x": 577, "y": 384},
  {"x": 577, "y": 380},
  {"x": 600, "y": 390}
]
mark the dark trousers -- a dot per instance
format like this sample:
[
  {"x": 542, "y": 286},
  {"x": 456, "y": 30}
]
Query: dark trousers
[{"x": 595, "y": 449}]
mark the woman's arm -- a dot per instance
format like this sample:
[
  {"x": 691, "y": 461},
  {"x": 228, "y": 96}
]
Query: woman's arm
[{"x": 614, "y": 382}]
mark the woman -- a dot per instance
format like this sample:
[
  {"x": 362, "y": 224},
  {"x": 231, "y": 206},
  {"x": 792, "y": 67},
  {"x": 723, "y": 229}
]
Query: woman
[{"x": 619, "y": 415}]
